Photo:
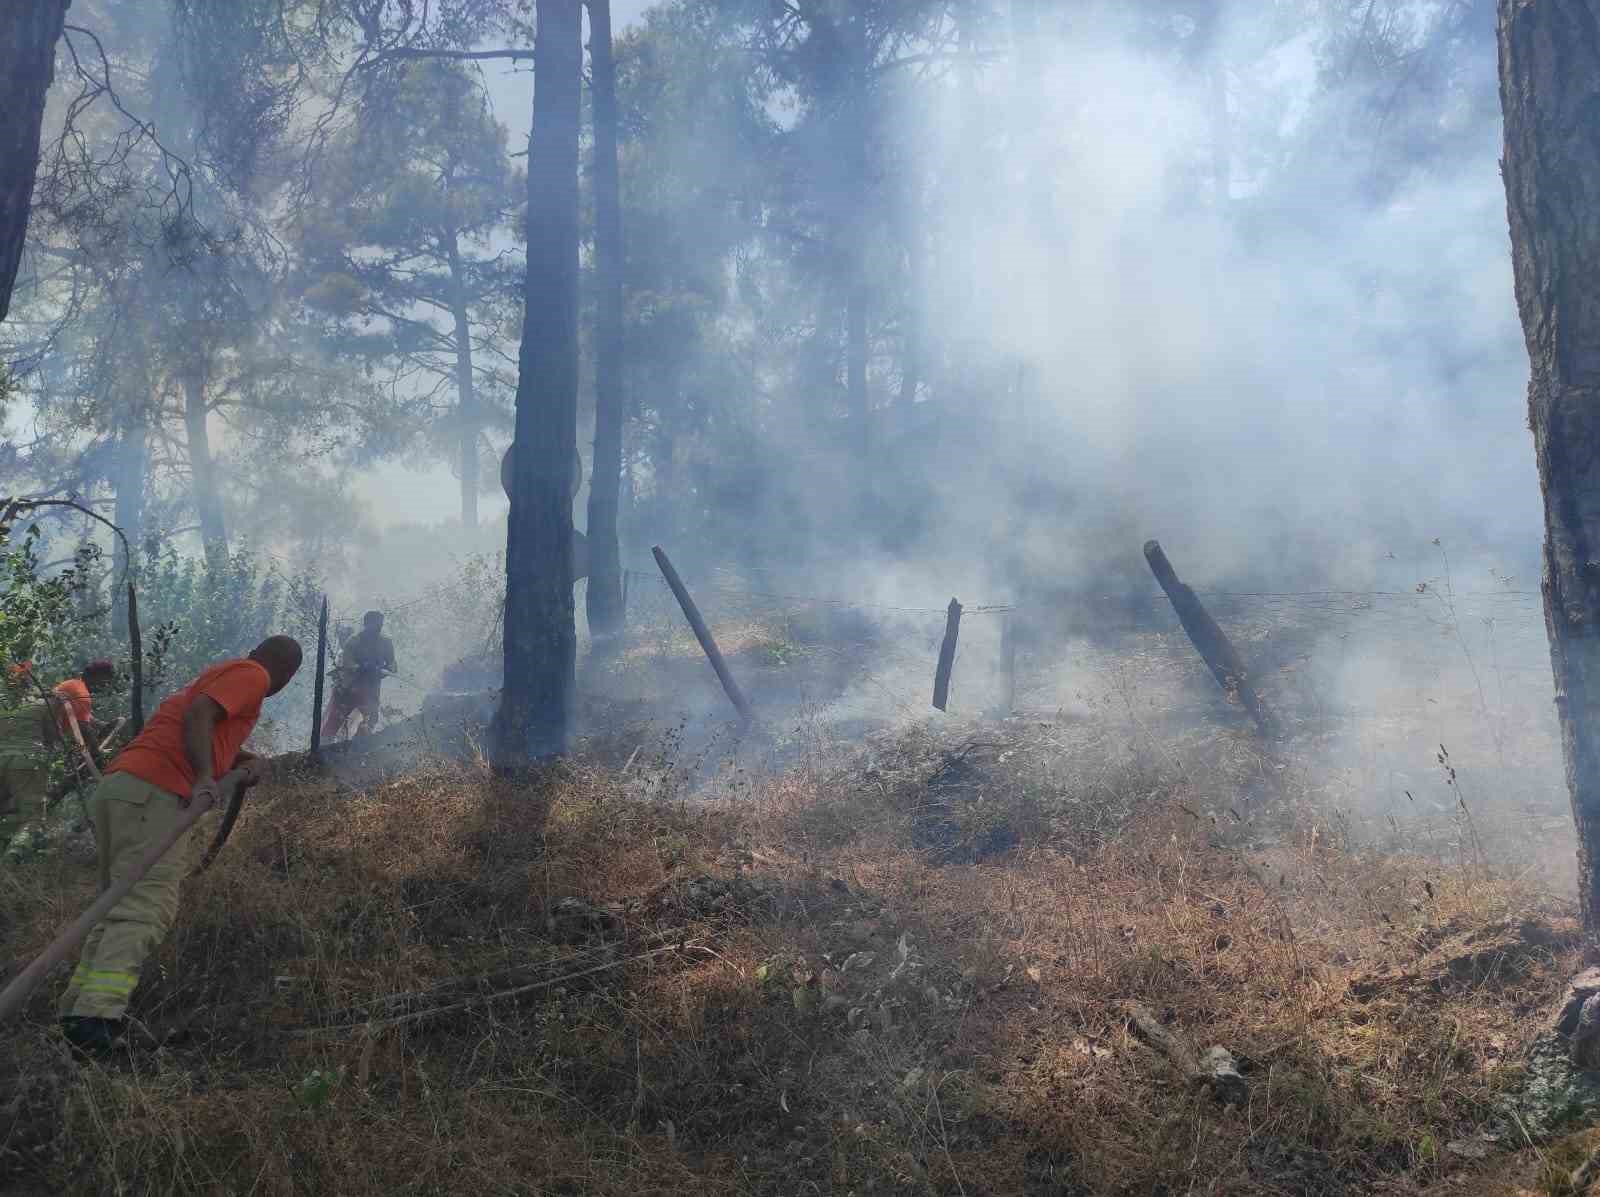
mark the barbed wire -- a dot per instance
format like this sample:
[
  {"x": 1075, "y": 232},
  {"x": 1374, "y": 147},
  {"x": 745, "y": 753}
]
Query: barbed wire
[{"x": 1334, "y": 601}]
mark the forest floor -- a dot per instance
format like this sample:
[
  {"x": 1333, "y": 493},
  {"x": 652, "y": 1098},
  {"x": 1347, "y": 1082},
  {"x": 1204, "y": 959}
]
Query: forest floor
[{"x": 898, "y": 958}]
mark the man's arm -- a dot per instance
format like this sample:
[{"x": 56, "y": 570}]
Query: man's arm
[
  {"x": 255, "y": 768},
  {"x": 388, "y": 654},
  {"x": 199, "y": 721}
]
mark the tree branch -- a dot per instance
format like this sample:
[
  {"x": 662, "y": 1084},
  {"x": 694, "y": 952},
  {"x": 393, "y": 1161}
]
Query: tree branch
[
  {"x": 411, "y": 53},
  {"x": 14, "y": 507}
]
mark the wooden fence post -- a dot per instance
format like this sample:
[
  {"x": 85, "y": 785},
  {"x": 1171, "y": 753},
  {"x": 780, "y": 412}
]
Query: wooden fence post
[
  {"x": 947, "y": 655},
  {"x": 1208, "y": 639},
  {"x": 136, "y": 650},
  {"x": 316, "y": 693},
  {"x": 703, "y": 634}
]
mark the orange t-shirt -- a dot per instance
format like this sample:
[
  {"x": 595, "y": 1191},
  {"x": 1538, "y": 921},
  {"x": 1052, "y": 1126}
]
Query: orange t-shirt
[
  {"x": 156, "y": 754},
  {"x": 75, "y": 694}
]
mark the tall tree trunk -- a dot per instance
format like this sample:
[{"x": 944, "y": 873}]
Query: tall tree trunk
[
  {"x": 1550, "y": 91},
  {"x": 466, "y": 393},
  {"x": 534, "y": 718},
  {"x": 207, "y": 495},
  {"x": 133, "y": 461},
  {"x": 604, "y": 595},
  {"x": 29, "y": 30}
]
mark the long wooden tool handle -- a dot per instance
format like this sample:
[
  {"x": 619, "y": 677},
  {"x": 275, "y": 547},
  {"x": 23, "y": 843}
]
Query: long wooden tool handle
[
  {"x": 16, "y": 993},
  {"x": 112, "y": 734}
]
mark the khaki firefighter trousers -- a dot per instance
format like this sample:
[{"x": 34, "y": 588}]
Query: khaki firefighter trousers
[{"x": 130, "y": 817}]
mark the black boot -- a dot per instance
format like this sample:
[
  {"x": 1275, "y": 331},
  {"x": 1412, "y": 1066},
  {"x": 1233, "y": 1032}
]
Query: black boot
[{"x": 93, "y": 1036}]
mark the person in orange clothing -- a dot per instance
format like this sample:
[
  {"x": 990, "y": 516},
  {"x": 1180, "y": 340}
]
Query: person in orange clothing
[
  {"x": 75, "y": 709},
  {"x": 25, "y": 740},
  {"x": 195, "y": 737}
]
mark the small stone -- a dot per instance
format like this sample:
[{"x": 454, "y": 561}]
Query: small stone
[{"x": 1221, "y": 1071}]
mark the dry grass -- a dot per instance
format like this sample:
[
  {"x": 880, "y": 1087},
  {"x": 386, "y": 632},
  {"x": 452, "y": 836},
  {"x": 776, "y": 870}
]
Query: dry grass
[{"x": 904, "y": 976}]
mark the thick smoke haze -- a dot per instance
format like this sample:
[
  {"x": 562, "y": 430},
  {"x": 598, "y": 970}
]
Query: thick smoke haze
[
  {"x": 1267, "y": 322},
  {"x": 1287, "y": 394}
]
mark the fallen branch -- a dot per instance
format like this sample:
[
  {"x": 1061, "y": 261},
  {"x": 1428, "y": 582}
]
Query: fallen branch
[
  {"x": 1216, "y": 1068},
  {"x": 1172, "y": 1044}
]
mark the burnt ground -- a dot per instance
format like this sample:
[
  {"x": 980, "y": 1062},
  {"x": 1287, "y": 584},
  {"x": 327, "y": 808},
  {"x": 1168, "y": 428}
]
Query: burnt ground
[{"x": 866, "y": 948}]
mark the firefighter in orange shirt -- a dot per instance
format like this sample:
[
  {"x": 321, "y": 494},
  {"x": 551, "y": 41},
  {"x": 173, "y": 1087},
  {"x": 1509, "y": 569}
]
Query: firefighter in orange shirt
[
  {"x": 26, "y": 734},
  {"x": 194, "y": 738},
  {"x": 75, "y": 708}
]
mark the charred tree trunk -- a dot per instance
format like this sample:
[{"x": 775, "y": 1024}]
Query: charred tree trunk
[
  {"x": 466, "y": 394},
  {"x": 604, "y": 596},
  {"x": 29, "y": 30},
  {"x": 1550, "y": 91},
  {"x": 534, "y": 718},
  {"x": 202, "y": 468}
]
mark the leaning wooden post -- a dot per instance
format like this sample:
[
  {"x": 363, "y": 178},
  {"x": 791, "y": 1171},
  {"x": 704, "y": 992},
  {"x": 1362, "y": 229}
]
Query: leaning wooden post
[
  {"x": 703, "y": 634},
  {"x": 1214, "y": 647},
  {"x": 316, "y": 690},
  {"x": 947, "y": 655},
  {"x": 136, "y": 650}
]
